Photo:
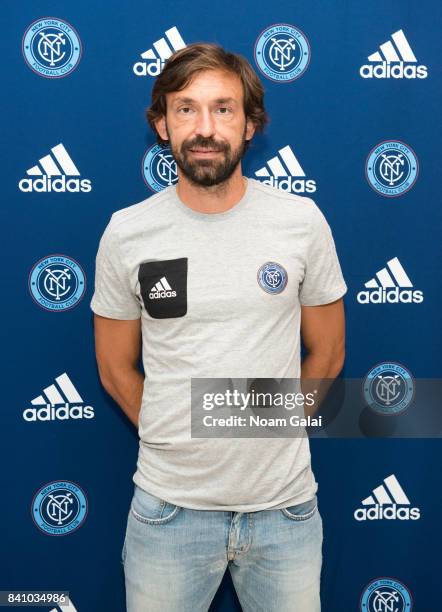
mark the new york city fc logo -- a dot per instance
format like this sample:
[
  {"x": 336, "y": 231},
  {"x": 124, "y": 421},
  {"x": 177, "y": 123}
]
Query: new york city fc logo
[
  {"x": 388, "y": 388},
  {"x": 51, "y": 47},
  {"x": 159, "y": 168},
  {"x": 57, "y": 282},
  {"x": 59, "y": 508},
  {"x": 282, "y": 52},
  {"x": 386, "y": 595},
  {"x": 391, "y": 168},
  {"x": 272, "y": 277}
]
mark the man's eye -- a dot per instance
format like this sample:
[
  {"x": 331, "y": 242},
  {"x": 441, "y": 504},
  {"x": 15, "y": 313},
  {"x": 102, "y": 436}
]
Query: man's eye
[
  {"x": 184, "y": 108},
  {"x": 225, "y": 108}
]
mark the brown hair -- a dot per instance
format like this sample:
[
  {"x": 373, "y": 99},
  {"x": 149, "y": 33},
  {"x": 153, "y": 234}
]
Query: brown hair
[{"x": 185, "y": 63}]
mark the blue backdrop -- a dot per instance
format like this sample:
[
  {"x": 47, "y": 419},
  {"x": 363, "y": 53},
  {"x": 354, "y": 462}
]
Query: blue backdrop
[{"x": 82, "y": 80}]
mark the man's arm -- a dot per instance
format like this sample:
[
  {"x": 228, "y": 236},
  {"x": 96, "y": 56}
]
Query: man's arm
[
  {"x": 323, "y": 335},
  {"x": 117, "y": 349}
]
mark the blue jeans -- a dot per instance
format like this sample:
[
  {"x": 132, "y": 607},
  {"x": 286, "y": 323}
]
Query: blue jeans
[{"x": 174, "y": 558}]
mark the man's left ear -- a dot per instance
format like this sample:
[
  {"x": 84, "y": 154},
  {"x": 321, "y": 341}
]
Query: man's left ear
[
  {"x": 250, "y": 129},
  {"x": 160, "y": 125}
]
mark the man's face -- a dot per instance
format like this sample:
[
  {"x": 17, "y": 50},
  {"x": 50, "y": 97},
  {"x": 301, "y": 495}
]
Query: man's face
[{"x": 206, "y": 127}]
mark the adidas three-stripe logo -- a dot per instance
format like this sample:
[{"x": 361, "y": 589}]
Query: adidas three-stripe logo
[
  {"x": 384, "y": 502},
  {"x": 285, "y": 172},
  {"x": 387, "y": 278},
  {"x": 50, "y": 168},
  {"x": 162, "y": 289},
  {"x": 277, "y": 169},
  {"x": 161, "y": 51},
  {"x": 55, "y": 172},
  {"x": 54, "y": 396},
  {"x": 63, "y": 394},
  {"x": 390, "y": 285},
  {"x": 389, "y": 53},
  {"x": 395, "y": 59},
  {"x": 381, "y": 496}
]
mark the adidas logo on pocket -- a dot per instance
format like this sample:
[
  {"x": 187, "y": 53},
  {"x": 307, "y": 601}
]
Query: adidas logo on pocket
[{"x": 161, "y": 289}]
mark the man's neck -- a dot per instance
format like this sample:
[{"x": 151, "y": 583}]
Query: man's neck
[{"x": 215, "y": 199}]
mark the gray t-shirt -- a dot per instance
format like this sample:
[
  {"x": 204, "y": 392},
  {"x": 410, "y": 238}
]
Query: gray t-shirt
[{"x": 208, "y": 309}]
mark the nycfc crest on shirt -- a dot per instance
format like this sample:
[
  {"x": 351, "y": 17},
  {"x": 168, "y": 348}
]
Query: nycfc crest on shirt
[
  {"x": 57, "y": 282},
  {"x": 385, "y": 594},
  {"x": 159, "y": 168},
  {"x": 282, "y": 52},
  {"x": 272, "y": 277},
  {"x": 391, "y": 168},
  {"x": 51, "y": 47},
  {"x": 59, "y": 508},
  {"x": 388, "y": 388}
]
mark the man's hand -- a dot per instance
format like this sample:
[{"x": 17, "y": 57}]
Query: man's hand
[{"x": 117, "y": 349}]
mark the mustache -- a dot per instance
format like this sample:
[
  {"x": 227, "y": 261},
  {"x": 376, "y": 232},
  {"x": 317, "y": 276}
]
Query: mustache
[{"x": 205, "y": 143}]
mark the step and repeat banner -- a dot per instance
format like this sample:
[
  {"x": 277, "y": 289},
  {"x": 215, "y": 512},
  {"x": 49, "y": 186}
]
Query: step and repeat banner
[{"x": 353, "y": 92}]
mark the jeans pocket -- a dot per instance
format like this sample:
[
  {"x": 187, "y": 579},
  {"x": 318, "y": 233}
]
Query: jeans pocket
[
  {"x": 302, "y": 511},
  {"x": 148, "y": 508}
]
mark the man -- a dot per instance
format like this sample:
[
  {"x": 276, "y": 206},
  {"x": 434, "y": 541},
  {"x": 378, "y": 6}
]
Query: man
[{"x": 218, "y": 273}]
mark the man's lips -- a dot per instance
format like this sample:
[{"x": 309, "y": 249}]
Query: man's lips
[
  {"x": 204, "y": 150},
  {"x": 204, "y": 153}
]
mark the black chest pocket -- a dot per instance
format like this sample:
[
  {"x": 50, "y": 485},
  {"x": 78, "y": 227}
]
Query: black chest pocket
[{"x": 163, "y": 286}]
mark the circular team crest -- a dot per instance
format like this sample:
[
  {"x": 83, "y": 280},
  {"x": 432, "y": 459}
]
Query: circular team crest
[
  {"x": 385, "y": 595},
  {"x": 57, "y": 282},
  {"x": 159, "y": 168},
  {"x": 282, "y": 52},
  {"x": 388, "y": 388},
  {"x": 51, "y": 47},
  {"x": 272, "y": 277},
  {"x": 392, "y": 168},
  {"x": 59, "y": 508}
]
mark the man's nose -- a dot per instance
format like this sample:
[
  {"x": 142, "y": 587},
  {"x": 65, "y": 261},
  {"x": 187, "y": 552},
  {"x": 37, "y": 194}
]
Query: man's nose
[{"x": 205, "y": 124}]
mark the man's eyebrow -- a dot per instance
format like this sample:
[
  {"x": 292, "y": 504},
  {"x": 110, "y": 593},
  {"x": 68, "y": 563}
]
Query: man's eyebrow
[{"x": 185, "y": 100}]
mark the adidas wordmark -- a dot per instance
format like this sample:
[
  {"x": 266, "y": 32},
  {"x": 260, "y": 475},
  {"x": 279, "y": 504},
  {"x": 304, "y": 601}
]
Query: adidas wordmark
[
  {"x": 392, "y": 286},
  {"x": 161, "y": 289},
  {"x": 51, "y": 172},
  {"x": 395, "y": 61},
  {"x": 59, "y": 403},
  {"x": 388, "y": 501}
]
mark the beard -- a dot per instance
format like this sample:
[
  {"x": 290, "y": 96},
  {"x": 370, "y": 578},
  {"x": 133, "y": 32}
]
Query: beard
[{"x": 208, "y": 172}]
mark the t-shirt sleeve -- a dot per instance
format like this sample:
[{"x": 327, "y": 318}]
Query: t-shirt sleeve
[
  {"x": 323, "y": 281},
  {"x": 113, "y": 296}
]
